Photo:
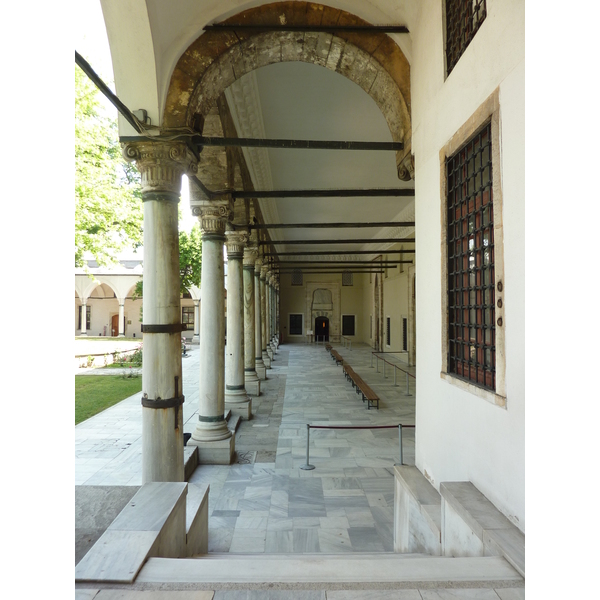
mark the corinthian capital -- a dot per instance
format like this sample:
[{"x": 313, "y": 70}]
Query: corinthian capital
[
  {"x": 213, "y": 215},
  {"x": 250, "y": 254},
  {"x": 161, "y": 164},
  {"x": 235, "y": 242}
]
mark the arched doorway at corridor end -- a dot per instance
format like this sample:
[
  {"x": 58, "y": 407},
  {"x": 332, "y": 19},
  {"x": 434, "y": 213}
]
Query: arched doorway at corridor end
[{"x": 322, "y": 329}]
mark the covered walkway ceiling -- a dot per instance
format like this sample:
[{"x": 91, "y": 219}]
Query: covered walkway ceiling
[{"x": 363, "y": 94}]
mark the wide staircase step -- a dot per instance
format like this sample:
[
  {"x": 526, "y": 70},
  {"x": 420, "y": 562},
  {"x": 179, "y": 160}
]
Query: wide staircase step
[{"x": 289, "y": 569}]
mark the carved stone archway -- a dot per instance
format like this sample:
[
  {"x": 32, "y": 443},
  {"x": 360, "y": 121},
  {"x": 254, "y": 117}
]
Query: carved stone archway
[{"x": 218, "y": 58}]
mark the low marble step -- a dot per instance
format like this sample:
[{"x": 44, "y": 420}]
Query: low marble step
[
  {"x": 321, "y": 568},
  {"x": 233, "y": 423}
]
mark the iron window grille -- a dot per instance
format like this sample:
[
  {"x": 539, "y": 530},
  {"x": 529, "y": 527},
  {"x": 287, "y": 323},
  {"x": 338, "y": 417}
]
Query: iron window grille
[
  {"x": 296, "y": 277},
  {"x": 471, "y": 276},
  {"x": 347, "y": 278},
  {"x": 463, "y": 20},
  {"x": 187, "y": 317},
  {"x": 296, "y": 324}
]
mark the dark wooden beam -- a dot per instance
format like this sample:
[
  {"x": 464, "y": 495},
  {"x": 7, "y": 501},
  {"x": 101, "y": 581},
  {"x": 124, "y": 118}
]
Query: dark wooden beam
[{"x": 327, "y": 225}]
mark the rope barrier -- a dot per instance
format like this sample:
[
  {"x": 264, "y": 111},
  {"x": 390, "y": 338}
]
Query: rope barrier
[{"x": 309, "y": 467}]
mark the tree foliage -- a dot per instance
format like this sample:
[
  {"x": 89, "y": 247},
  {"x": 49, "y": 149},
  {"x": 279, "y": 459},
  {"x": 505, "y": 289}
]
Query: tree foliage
[{"x": 108, "y": 206}]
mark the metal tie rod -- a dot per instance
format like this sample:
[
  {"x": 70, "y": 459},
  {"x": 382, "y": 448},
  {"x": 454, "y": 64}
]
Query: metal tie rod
[
  {"x": 346, "y": 241},
  {"x": 295, "y": 144},
  {"x": 337, "y": 252},
  {"x": 350, "y": 193},
  {"x": 310, "y": 28},
  {"x": 327, "y": 225}
]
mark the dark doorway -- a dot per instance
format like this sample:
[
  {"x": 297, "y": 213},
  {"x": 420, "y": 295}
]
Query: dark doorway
[{"x": 322, "y": 329}]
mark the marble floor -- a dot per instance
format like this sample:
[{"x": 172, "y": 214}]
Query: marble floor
[{"x": 266, "y": 503}]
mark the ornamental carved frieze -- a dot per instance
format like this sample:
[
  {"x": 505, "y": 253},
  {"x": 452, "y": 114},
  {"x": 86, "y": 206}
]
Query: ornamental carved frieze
[{"x": 161, "y": 164}]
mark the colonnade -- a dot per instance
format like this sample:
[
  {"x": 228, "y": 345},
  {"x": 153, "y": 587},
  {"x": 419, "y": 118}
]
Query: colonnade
[{"x": 229, "y": 373}]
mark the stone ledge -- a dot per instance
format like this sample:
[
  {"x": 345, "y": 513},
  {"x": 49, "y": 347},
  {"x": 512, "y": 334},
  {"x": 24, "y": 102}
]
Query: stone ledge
[
  {"x": 417, "y": 513},
  {"x": 151, "y": 524},
  {"x": 196, "y": 519},
  {"x": 468, "y": 515}
]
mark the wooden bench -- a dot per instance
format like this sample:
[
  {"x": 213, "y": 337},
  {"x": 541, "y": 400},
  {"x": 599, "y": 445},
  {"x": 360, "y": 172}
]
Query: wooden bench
[
  {"x": 361, "y": 387},
  {"x": 328, "y": 347},
  {"x": 349, "y": 372},
  {"x": 338, "y": 359}
]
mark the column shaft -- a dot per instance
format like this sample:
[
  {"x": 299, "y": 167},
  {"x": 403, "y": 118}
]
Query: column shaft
[
  {"x": 236, "y": 398},
  {"x": 250, "y": 376},
  {"x": 162, "y": 427},
  {"x": 259, "y": 363},
  {"x": 161, "y": 165}
]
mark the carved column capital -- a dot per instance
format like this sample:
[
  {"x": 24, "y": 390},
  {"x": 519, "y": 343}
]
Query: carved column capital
[
  {"x": 263, "y": 272},
  {"x": 250, "y": 255},
  {"x": 258, "y": 263},
  {"x": 213, "y": 217},
  {"x": 235, "y": 241},
  {"x": 161, "y": 164}
]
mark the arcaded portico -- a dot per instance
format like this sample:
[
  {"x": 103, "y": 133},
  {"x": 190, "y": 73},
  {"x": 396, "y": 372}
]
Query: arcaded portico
[{"x": 333, "y": 151}]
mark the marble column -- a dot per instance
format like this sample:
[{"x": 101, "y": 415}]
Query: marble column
[
  {"x": 250, "y": 376},
  {"x": 215, "y": 442},
  {"x": 196, "y": 338},
  {"x": 236, "y": 397},
  {"x": 84, "y": 316},
  {"x": 264, "y": 316},
  {"x": 161, "y": 165},
  {"x": 261, "y": 369},
  {"x": 268, "y": 290},
  {"x": 122, "y": 312},
  {"x": 273, "y": 314}
]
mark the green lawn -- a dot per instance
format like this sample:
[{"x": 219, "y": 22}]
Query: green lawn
[{"x": 94, "y": 393}]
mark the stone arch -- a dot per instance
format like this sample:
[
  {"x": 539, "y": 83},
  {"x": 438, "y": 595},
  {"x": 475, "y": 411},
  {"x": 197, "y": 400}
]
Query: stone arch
[{"x": 218, "y": 58}]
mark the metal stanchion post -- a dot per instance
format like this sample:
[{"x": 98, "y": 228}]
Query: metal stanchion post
[{"x": 307, "y": 466}]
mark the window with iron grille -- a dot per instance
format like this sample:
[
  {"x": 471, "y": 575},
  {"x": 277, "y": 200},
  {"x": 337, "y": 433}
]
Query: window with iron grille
[
  {"x": 463, "y": 19},
  {"x": 348, "y": 324},
  {"x": 296, "y": 324},
  {"x": 347, "y": 278},
  {"x": 187, "y": 317},
  {"x": 471, "y": 277},
  {"x": 296, "y": 277}
]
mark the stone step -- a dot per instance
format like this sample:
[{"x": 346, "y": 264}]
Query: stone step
[
  {"x": 290, "y": 569},
  {"x": 234, "y": 423}
]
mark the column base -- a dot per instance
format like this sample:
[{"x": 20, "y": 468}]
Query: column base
[
  {"x": 240, "y": 409},
  {"x": 195, "y": 340},
  {"x": 253, "y": 385},
  {"x": 121, "y": 335},
  {"x": 266, "y": 359},
  {"x": 220, "y": 452},
  {"x": 84, "y": 334},
  {"x": 261, "y": 371},
  {"x": 270, "y": 352}
]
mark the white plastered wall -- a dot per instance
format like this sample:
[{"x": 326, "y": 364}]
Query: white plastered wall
[{"x": 461, "y": 436}]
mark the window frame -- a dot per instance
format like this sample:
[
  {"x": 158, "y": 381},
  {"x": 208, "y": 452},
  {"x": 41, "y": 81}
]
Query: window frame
[
  {"x": 488, "y": 111},
  {"x": 388, "y": 331},
  {"x": 290, "y": 315},
  {"x": 447, "y": 68},
  {"x": 88, "y": 317},
  {"x": 353, "y": 326},
  {"x": 190, "y": 310}
]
